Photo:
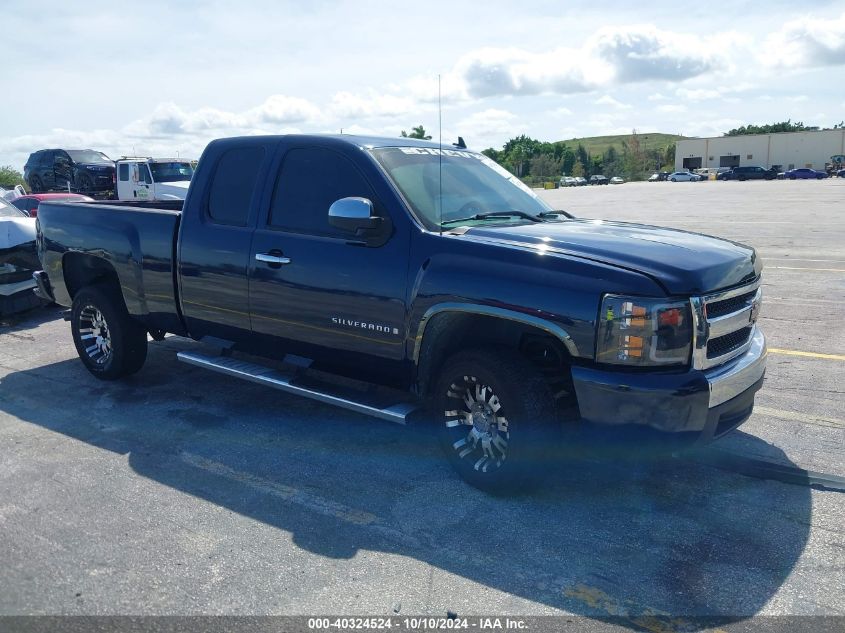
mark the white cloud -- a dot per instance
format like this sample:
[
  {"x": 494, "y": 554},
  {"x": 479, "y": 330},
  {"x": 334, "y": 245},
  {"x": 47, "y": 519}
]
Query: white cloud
[
  {"x": 657, "y": 97},
  {"x": 347, "y": 105},
  {"x": 671, "y": 107},
  {"x": 610, "y": 101},
  {"x": 644, "y": 52},
  {"x": 170, "y": 119},
  {"x": 798, "y": 98},
  {"x": 561, "y": 112},
  {"x": 806, "y": 42},
  {"x": 698, "y": 94},
  {"x": 614, "y": 55},
  {"x": 511, "y": 71},
  {"x": 717, "y": 92},
  {"x": 481, "y": 128}
]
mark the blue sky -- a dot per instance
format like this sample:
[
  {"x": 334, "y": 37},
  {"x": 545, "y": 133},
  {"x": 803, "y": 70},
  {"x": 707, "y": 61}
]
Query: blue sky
[{"x": 167, "y": 77}]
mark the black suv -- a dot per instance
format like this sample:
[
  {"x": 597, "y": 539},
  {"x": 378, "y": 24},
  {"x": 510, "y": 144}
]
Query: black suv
[
  {"x": 81, "y": 170},
  {"x": 598, "y": 179},
  {"x": 749, "y": 172}
]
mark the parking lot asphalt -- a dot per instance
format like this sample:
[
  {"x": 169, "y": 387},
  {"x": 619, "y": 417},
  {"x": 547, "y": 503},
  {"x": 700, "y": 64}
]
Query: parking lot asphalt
[{"x": 184, "y": 492}]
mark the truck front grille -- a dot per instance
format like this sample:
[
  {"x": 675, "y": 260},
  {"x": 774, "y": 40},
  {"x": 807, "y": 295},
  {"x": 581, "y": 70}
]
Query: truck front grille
[
  {"x": 727, "y": 306},
  {"x": 722, "y": 345},
  {"x": 724, "y": 324}
]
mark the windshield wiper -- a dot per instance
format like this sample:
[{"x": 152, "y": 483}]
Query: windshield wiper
[
  {"x": 495, "y": 214},
  {"x": 555, "y": 213}
]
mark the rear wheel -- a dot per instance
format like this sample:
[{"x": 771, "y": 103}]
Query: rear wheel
[
  {"x": 496, "y": 418},
  {"x": 109, "y": 342},
  {"x": 84, "y": 184}
]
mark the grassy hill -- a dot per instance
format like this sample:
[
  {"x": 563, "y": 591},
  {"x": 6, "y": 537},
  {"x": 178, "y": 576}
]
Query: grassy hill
[{"x": 599, "y": 144}]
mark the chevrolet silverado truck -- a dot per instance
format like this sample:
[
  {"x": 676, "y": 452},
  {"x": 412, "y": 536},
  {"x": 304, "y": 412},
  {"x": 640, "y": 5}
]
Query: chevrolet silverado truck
[{"x": 391, "y": 276}]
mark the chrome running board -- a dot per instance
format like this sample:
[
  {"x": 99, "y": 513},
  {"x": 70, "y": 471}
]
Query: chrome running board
[{"x": 276, "y": 379}]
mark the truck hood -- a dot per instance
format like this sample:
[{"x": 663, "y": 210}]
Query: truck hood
[
  {"x": 682, "y": 262},
  {"x": 176, "y": 190}
]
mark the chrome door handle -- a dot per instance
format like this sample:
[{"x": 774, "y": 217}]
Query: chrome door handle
[{"x": 267, "y": 258}]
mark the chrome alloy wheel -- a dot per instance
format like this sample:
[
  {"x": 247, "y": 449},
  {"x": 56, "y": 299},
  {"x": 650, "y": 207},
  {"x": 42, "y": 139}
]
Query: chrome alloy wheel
[
  {"x": 480, "y": 414},
  {"x": 94, "y": 334}
]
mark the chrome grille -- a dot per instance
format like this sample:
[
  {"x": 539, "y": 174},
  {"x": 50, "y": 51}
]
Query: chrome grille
[
  {"x": 728, "y": 306},
  {"x": 724, "y": 324},
  {"x": 722, "y": 345}
]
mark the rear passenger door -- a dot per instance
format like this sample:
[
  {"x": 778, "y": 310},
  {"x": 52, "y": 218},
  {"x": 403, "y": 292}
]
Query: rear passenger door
[
  {"x": 333, "y": 293},
  {"x": 215, "y": 239},
  {"x": 62, "y": 170}
]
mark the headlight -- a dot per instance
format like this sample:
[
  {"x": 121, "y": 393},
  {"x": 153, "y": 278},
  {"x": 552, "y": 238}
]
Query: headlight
[{"x": 639, "y": 332}]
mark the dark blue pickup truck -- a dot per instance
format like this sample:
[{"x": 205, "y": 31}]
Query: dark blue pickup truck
[{"x": 417, "y": 274}]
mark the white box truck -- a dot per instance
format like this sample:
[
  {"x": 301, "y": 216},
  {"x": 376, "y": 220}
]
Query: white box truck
[{"x": 144, "y": 178}]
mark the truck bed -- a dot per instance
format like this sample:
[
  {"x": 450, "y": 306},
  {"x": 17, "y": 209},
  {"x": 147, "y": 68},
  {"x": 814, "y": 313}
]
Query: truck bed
[{"x": 136, "y": 241}]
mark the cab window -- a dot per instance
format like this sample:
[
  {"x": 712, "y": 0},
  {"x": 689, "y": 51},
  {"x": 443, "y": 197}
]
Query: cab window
[
  {"x": 233, "y": 184},
  {"x": 310, "y": 180}
]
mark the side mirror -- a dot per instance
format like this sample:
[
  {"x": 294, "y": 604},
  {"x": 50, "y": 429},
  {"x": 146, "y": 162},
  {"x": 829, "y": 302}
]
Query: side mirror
[{"x": 354, "y": 215}]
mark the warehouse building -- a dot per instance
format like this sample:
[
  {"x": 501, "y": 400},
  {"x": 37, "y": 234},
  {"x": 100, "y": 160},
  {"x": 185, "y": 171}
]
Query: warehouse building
[{"x": 783, "y": 150}]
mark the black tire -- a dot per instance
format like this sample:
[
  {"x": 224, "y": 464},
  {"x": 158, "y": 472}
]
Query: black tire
[
  {"x": 84, "y": 184},
  {"x": 501, "y": 445},
  {"x": 116, "y": 345},
  {"x": 673, "y": 179},
  {"x": 35, "y": 185}
]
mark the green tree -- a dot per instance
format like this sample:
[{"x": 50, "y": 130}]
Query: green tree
[
  {"x": 583, "y": 159},
  {"x": 10, "y": 177},
  {"x": 611, "y": 162},
  {"x": 545, "y": 167},
  {"x": 634, "y": 161},
  {"x": 417, "y": 132},
  {"x": 493, "y": 154},
  {"x": 669, "y": 157},
  {"x": 770, "y": 128}
]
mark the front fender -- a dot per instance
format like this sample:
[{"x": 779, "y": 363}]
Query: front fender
[{"x": 559, "y": 294}]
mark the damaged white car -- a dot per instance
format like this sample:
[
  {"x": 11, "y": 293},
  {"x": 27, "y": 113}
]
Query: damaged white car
[{"x": 18, "y": 260}]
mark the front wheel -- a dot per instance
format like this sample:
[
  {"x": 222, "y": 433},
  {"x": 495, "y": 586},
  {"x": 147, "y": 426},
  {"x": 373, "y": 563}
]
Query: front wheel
[
  {"x": 674, "y": 179},
  {"x": 496, "y": 417},
  {"x": 109, "y": 342}
]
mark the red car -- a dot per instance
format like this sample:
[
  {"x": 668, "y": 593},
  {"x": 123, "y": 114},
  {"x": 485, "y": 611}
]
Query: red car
[{"x": 29, "y": 203}]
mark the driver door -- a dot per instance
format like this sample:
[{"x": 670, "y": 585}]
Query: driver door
[{"x": 326, "y": 289}]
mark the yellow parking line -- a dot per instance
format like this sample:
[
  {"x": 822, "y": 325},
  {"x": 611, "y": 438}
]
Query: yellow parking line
[
  {"x": 829, "y": 270},
  {"x": 792, "y": 352}
]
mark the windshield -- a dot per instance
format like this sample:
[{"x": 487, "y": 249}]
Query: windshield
[
  {"x": 8, "y": 211},
  {"x": 88, "y": 156},
  {"x": 171, "y": 171},
  {"x": 466, "y": 184}
]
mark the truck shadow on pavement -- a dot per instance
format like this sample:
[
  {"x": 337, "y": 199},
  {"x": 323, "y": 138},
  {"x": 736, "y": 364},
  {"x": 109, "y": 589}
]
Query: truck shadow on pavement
[{"x": 626, "y": 539}]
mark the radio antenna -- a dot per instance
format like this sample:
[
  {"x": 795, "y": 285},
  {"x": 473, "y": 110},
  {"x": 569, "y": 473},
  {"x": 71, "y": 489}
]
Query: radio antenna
[{"x": 440, "y": 158}]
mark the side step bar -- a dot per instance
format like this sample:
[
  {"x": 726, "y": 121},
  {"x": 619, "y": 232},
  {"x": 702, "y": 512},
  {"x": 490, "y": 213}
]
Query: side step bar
[{"x": 285, "y": 382}]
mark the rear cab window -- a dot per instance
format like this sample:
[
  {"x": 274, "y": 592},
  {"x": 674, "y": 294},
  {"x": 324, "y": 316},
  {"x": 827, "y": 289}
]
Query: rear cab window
[{"x": 233, "y": 185}]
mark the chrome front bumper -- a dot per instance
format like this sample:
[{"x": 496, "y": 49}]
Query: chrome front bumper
[{"x": 734, "y": 377}]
